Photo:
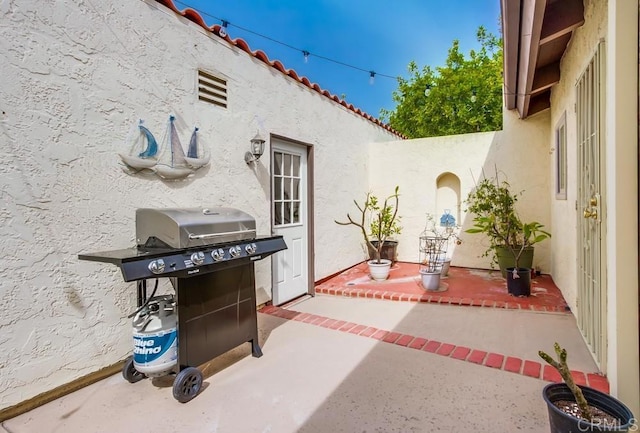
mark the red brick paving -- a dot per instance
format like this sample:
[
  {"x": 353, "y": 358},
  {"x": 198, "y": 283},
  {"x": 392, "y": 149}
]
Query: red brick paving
[
  {"x": 532, "y": 369},
  {"x": 513, "y": 364},
  {"x": 477, "y": 356},
  {"x": 404, "y": 340},
  {"x": 418, "y": 343},
  {"x": 465, "y": 286},
  {"x": 492, "y": 360},
  {"x": 550, "y": 374},
  {"x": 460, "y": 353}
]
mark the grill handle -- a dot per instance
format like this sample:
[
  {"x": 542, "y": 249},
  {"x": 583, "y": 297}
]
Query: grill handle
[{"x": 215, "y": 235}]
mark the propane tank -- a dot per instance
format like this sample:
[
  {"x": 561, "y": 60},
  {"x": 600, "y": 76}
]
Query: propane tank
[{"x": 155, "y": 343}]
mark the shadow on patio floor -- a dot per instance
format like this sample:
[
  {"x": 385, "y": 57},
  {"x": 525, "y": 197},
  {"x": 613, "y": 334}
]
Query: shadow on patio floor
[{"x": 463, "y": 286}]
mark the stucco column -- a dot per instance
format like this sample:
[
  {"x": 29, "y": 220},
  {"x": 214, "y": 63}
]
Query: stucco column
[{"x": 622, "y": 201}]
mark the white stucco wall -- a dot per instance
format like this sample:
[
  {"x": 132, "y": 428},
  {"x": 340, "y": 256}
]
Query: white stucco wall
[
  {"x": 519, "y": 152},
  {"x": 75, "y": 77}
]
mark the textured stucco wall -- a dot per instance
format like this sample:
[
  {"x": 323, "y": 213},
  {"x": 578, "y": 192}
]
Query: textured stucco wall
[
  {"x": 563, "y": 99},
  {"x": 615, "y": 22},
  {"x": 75, "y": 77},
  {"x": 520, "y": 154}
]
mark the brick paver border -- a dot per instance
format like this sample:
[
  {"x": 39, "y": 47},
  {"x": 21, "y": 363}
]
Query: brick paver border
[
  {"x": 435, "y": 299},
  {"x": 498, "y": 361}
]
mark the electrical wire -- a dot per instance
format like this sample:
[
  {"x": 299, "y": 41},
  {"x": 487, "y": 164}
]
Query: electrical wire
[{"x": 304, "y": 52}]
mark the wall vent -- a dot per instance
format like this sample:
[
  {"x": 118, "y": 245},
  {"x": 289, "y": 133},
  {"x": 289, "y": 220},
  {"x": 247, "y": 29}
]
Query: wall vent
[{"x": 211, "y": 89}]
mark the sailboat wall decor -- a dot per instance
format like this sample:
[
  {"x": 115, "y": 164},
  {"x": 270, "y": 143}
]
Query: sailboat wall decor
[
  {"x": 196, "y": 156},
  {"x": 166, "y": 159},
  {"x": 143, "y": 150},
  {"x": 172, "y": 163}
]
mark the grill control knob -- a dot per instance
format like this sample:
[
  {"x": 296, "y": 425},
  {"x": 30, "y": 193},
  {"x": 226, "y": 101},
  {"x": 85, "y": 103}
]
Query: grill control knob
[
  {"x": 235, "y": 251},
  {"x": 197, "y": 258},
  {"x": 217, "y": 255},
  {"x": 250, "y": 248},
  {"x": 157, "y": 266}
]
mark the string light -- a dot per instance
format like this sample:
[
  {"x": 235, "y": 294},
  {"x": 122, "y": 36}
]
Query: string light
[
  {"x": 306, "y": 56},
  {"x": 427, "y": 90},
  {"x": 372, "y": 77},
  {"x": 223, "y": 30}
]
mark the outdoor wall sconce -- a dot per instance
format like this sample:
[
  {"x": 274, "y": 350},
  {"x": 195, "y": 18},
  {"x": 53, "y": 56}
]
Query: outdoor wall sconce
[{"x": 257, "y": 149}]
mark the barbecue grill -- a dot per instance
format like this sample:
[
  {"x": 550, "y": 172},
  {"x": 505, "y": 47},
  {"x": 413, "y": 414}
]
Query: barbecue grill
[{"x": 208, "y": 255}]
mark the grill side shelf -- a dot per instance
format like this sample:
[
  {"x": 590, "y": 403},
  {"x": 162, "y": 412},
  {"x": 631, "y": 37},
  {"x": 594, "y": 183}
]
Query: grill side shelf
[{"x": 135, "y": 263}]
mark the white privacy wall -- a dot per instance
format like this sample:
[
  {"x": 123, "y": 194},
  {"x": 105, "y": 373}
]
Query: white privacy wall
[
  {"x": 75, "y": 77},
  {"x": 519, "y": 152}
]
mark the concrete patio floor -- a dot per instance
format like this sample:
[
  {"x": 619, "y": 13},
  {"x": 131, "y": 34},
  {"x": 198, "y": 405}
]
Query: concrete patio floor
[{"x": 348, "y": 364}]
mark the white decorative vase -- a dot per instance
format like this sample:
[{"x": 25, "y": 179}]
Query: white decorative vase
[
  {"x": 431, "y": 280},
  {"x": 379, "y": 271},
  {"x": 445, "y": 267}
]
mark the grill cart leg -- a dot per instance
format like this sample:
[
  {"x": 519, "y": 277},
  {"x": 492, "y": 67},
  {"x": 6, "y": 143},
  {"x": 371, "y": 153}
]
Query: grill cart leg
[
  {"x": 255, "y": 349},
  {"x": 187, "y": 384},
  {"x": 130, "y": 373}
]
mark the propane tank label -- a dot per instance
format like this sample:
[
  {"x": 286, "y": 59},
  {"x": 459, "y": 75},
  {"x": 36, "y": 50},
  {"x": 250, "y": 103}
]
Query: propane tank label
[{"x": 157, "y": 348}]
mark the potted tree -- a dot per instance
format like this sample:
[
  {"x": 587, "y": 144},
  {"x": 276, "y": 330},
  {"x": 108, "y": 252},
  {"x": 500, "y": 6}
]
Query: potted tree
[
  {"x": 377, "y": 222},
  {"x": 578, "y": 408},
  {"x": 511, "y": 240}
]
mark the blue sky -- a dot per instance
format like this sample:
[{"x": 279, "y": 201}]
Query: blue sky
[{"x": 373, "y": 35}]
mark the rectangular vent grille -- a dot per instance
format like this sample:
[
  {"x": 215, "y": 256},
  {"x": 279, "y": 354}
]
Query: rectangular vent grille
[{"x": 212, "y": 89}]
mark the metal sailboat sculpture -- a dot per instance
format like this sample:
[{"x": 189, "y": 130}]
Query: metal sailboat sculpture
[
  {"x": 196, "y": 156},
  {"x": 143, "y": 152},
  {"x": 173, "y": 164}
]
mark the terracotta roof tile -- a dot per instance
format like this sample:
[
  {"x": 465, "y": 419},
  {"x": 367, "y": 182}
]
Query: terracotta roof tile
[{"x": 195, "y": 17}]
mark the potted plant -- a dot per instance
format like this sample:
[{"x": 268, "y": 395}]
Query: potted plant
[
  {"x": 578, "y": 408},
  {"x": 433, "y": 251},
  {"x": 495, "y": 216},
  {"x": 447, "y": 229},
  {"x": 378, "y": 221}
]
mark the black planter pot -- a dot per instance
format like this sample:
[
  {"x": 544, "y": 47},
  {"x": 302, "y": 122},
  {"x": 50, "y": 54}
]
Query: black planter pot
[
  {"x": 519, "y": 286},
  {"x": 561, "y": 422},
  {"x": 506, "y": 260},
  {"x": 389, "y": 250}
]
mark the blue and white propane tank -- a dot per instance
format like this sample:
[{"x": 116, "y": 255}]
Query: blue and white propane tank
[{"x": 155, "y": 339}]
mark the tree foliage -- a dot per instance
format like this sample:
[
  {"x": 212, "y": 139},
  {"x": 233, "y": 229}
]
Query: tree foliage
[{"x": 464, "y": 95}]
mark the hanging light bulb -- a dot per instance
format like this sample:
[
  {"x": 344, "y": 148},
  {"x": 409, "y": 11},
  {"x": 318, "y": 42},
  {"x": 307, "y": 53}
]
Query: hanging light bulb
[
  {"x": 427, "y": 90},
  {"x": 473, "y": 96},
  {"x": 306, "y": 56},
  {"x": 223, "y": 30},
  {"x": 372, "y": 77}
]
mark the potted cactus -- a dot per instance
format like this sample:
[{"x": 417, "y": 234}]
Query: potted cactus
[{"x": 578, "y": 408}]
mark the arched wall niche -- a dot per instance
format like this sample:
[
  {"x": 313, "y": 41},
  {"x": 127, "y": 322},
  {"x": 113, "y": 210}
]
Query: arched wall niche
[{"x": 448, "y": 196}]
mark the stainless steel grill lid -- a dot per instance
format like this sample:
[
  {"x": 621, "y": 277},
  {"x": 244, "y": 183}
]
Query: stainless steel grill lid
[{"x": 188, "y": 227}]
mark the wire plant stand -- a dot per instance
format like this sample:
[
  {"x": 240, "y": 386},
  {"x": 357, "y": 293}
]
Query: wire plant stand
[{"x": 432, "y": 255}]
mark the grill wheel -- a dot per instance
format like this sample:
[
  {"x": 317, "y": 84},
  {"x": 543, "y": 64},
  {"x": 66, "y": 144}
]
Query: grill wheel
[{"x": 187, "y": 384}]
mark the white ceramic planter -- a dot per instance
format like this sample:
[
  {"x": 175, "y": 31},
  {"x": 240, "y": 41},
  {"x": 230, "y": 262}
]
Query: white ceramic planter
[
  {"x": 431, "y": 280},
  {"x": 379, "y": 271}
]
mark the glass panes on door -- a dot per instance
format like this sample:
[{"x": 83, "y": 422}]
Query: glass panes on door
[{"x": 286, "y": 188}]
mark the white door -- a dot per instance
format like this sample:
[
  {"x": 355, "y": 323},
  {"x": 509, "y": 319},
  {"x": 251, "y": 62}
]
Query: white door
[
  {"x": 290, "y": 219},
  {"x": 592, "y": 290}
]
